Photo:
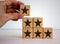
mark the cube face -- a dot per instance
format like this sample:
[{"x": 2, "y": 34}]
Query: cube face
[
  {"x": 27, "y": 32},
  {"x": 27, "y": 22},
  {"x": 25, "y": 10},
  {"x": 38, "y": 32},
  {"x": 48, "y": 33},
  {"x": 38, "y": 22}
]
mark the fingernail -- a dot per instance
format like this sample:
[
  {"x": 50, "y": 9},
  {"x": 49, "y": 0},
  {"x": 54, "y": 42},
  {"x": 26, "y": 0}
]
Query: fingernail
[{"x": 18, "y": 11}]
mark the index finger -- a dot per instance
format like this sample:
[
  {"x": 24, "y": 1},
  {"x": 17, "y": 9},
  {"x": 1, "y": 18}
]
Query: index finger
[
  {"x": 21, "y": 3},
  {"x": 18, "y": 3}
]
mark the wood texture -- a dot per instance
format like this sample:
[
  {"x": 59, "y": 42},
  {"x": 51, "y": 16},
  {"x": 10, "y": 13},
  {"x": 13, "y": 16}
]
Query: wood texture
[
  {"x": 25, "y": 10},
  {"x": 27, "y": 32},
  {"x": 38, "y": 32},
  {"x": 48, "y": 32},
  {"x": 27, "y": 22},
  {"x": 38, "y": 22}
]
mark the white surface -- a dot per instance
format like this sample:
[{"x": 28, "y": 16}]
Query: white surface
[
  {"x": 48, "y": 9},
  {"x": 11, "y": 39}
]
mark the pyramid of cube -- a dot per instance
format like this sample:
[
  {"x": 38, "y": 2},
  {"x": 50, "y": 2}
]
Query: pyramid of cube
[{"x": 33, "y": 27}]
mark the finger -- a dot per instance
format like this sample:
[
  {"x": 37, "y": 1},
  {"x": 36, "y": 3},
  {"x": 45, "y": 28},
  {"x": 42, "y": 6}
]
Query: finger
[
  {"x": 20, "y": 3},
  {"x": 15, "y": 15},
  {"x": 10, "y": 10},
  {"x": 20, "y": 16},
  {"x": 13, "y": 7},
  {"x": 10, "y": 0},
  {"x": 16, "y": 5},
  {"x": 12, "y": 15},
  {"x": 14, "y": 19}
]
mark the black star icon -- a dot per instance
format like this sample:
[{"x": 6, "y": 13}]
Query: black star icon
[
  {"x": 37, "y": 33},
  {"x": 27, "y": 23},
  {"x": 24, "y": 10},
  {"x": 38, "y": 22},
  {"x": 48, "y": 33},
  {"x": 27, "y": 33}
]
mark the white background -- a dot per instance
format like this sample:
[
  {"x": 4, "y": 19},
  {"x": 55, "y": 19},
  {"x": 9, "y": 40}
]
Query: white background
[{"x": 48, "y": 9}]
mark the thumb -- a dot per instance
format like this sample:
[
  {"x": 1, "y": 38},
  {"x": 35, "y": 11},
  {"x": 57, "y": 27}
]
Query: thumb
[{"x": 20, "y": 16}]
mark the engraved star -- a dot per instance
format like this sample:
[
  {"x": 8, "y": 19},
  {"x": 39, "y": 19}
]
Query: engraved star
[
  {"x": 27, "y": 23},
  {"x": 24, "y": 10},
  {"x": 38, "y": 22},
  {"x": 27, "y": 33},
  {"x": 37, "y": 33},
  {"x": 48, "y": 33}
]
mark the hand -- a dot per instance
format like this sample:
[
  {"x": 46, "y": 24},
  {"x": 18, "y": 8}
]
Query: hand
[
  {"x": 10, "y": 11},
  {"x": 13, "y": 9}
]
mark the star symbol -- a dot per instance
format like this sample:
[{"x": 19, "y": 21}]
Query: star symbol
[
  {"x": 37, "y": 33},
  {"x": 48, "y": 33},
  {"x": 38, "y": 22},
  {"x": 27, "y": 33},
  {"x": 27, "y": 23},
  {"x": 24, "y": 10}
]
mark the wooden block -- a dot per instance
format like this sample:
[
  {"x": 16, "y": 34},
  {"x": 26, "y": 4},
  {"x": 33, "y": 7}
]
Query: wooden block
[
  {"x": 48, "y": 32},
  {"x": 38, "y": 22},
  {"x": 25, "y": 10},
  {"x": 27, "y": 22},
  {"x": 27, "y": 32},
  {"x": 38, "y": 32}
]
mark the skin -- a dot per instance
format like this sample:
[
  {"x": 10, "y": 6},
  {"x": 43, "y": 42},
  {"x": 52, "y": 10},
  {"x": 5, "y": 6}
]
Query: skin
[{"x": 10, "y": 13}]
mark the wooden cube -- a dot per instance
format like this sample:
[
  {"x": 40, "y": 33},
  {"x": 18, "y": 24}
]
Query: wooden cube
[
  {"x": 48, "y": 32},
  {"x": 27, "y": 22},
  {"x": 25, "y": 10},
  {"x": 27, "y": 32},
  {"x": 38, "y": 22},
  {"x": 38, "y": 32}
]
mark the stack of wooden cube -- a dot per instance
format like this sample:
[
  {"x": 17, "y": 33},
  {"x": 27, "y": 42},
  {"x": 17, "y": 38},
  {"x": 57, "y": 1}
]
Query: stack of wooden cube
[{"x": 33, "y": 27}]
